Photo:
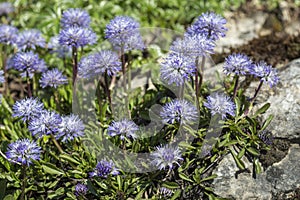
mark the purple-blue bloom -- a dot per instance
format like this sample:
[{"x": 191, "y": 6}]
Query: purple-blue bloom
[
  {"x": 53, "y": 78},
  {"x": 8, "y": 34},
  {"x": 179, "y": 111},
  {"x": 265, "y": 72},
  {"x": 75, "y": 17},
  {"x": 80, "y": 189},
  {"x": 2, "y": 79},
  {"x": 26, "y": 61},
  {"x": 62, "y": 51},
  {"x": 30, "y": 39},
  {"x": 71, "y": 127},
  {"x": 105, "y": 61},
  {"x": 123, "y": 33},
  {"x": 23, "y": 151},
  {"x": 6, "y": 8},
  {"x": 210, "y": 24},
  {"x": 45, "y": 124},
  {"x": 193, "y": 46},
  {"x": 238, "y": 64},
  {"x": 124, "y": 128},
  {"x": 77, "y": 37},
  {"x": 104, "y": 168},
  {"x": 165, "y": 192},
  {"x": 39, "y": 67},
  {"x": 28, "y": 109},
  {"x": 177, "y": 69},
  {"x": 266, "y": 137},
  {"x": 166, "y": 156},
  {"x": 221, "y": 104}
]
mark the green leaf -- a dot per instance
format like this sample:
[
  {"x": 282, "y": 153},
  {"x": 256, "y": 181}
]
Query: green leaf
[
  {"x": 253, "y": 151},
  {"x": 184, "y": 177},
  {"x": 263, "y": 109},
  {"x": 241, "y": 153},
  {"x": 2, "y": 188},
  {"x": 9, "y": 197},
  {"x": 176, "y": 194},
  {"x": 52, "y": 169},
  {"x": 209, "y": 178},
  {"x": 267, "y": 122},
  {"x": 238, "y": 161},
  {"x": 68, "y": 158},
  {"x": 257, "y": 166},
  {"x": 170, "y": 185}
]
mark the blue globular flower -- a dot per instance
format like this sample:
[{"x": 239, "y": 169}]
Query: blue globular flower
[
  {"x": 30, "y": 39},
  {"x": 80, "y": 189},
  {"x": 28, "y": 109},
  {"x": 26, "y": 60},
  {"x": 23, "y": 151},
  {"x": 39, "y": 67},
  {"x": 166, "y": 156},
  {"x": 193, "y": 46},
  {"x": 2, "y": 79},
  {"x": 265, "y": 72},
  {"x": 104, "y": 168},
  {"x": 165, "y": 192},
  {"x": 45, "y": 124},
  {"x": 105, "y": 61},
  {"x": 61, "y": 51},
  {"x": 53, "y": 78},
  {"x": 8, "y": 34},
  {"x": 266, "y": 137},
  {"x": 123, "y": 33},
  {"x": 221, "y": 104},
  {"x": 177, "y": 69},
  {"x": 71, "y": 127},
  {"x": 179, "y": 111},
  {"x": 124, "y": 128},
  {"x": 210, "y": 24},
  {"x": 77, "y": 37},
  {"x": 75, "y": 17},
  {"x": 237, "y": 64},
  {"x": 6, "y": 8}
]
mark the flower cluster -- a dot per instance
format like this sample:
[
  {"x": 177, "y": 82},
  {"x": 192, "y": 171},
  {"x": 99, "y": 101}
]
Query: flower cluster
[
  {"x": 265, "y": 72},
  {"x": 238, "y": 64},
  {"x": 123, "y": 33},
  {"x": 8, "y": 34},
  {"x": 62, "y": 51},
  {"x": 23, "y": 151},
  {"x": 80, "y": 190},
  {"x": 103, "y": 62},
  {"x": 75, "y": 17},
  {"x": 53, "y": 78},
  {"x": 30, "y": 39},
  {"x": 104, "y": 168},
  {"x": 28, "y": 109},
  {"x": 71, "y": 127},
  {"x": 166, "y": 156},
  {"x": 6, "y": 8},
  {"x": 124, "y": 128},
  {"x": 220, "y": 104},
  {"x": 179, "y": 111},
  {"x": 2, "y": 79}
]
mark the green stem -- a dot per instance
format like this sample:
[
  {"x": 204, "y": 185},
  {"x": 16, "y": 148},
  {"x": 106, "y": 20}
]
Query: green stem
[
  {"x": 236, "y": 83},
  {"x": 124, "y": 82},
  {"x": 253, "y": 98},
  {"x": 56, "y": 144},
  {"x": 75, "y": 63},
  {"x": 201, "y": 72},
  {"x": 108, "y": 94},
  {"x": 28, "y": 84},
  {"x": 23, "y": 182}
]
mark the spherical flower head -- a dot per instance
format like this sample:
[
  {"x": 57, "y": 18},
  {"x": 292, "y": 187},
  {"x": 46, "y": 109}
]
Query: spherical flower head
[
  {"x": 177, "y": 69},
  {"x": 2, "y": 79},
  {"x": 210, "y": 24},
  {"x": 23, "y": 151},
  {"x": 166, "y": 156},
  {"x": 77, "y": 37},
  {"x": 179, "y": 111},
  {"x": 193, "y": 46},
  {"x": 86, "y": 67},
  {"x": 266, "y": 137},
  {"x": 75, "y": 17},
  {"x": 165, "y": 192},
  {"x": 8, "y": 34},
  {"x": 124, "y": 128},
  {"x": 45, "y": 124},
  {"x": 71, "y": 127},
  {"x": 265, "y": 72},
  {"x": 28, "y": 109},
  {"x": 219, "y": 103},
  {"x": 30, "y": 39},
  {"x": 104, "y": 168},
  {"x": 38, "y": 68},
  {"x": 238, "y": 64},
  {"x": 80, "y": 190},
  {"x": 123, "y": 33},
  {"x": 26, "y": 60},
  {"x": 6, "y": 8},
  {"x": 62, "y": 51},
  {"x": 53, "y": 78}
]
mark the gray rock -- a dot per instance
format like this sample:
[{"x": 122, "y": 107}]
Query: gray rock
[{"x": 282, "y": 177}]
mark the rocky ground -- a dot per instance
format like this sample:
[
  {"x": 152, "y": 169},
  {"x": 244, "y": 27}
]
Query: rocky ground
[{"x": 278, "y": 43}]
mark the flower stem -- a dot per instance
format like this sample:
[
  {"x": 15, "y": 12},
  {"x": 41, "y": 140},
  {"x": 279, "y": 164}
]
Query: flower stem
[
  {"x": 28, "y": 84},
  {"x": 201, "y": 73},
  {"x": 124, "y": 82},
  {"x": 108, "y": 94},
  {"x": 56, "y": 144},
  {"x": 23, "y": 182},
  {"x": 256, "y": 91},
  {"x": 236, "y": 83},
  {"x": 75, "y": 63}
]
